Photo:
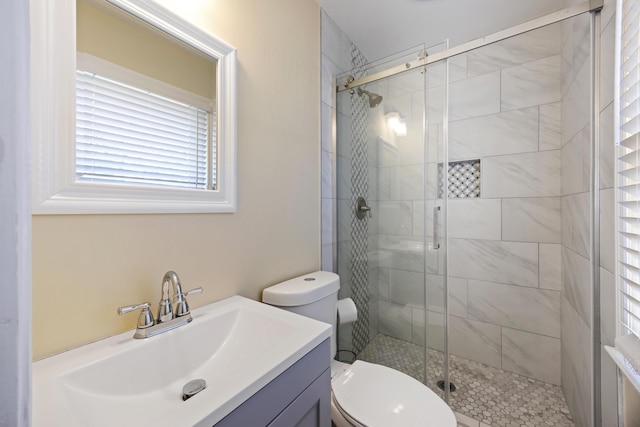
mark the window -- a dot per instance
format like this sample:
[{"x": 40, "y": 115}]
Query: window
[
  {"x": 202, "y": 175},
  {"x": 129, "y": 135},
  {"x": 629, "y": 182}
]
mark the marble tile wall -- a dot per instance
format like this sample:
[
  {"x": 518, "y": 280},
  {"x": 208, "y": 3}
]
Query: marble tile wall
[
  {"x": 336, "y": 58},
  {"x": 515, "y": 343},
  {"x": 522, "y": 175},
  {"x": 525, "y": 309},
  {"x": 479, "y": 219},
  {"x": 532, "y": 83},
  {"x": 512, "y": 263},
  {"x": 340, "y": 55},
  {"x": 500, "y": 133},
  {"x": 513, "y": 277}
]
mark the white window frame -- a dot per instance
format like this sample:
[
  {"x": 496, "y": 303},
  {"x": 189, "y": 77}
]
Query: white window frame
[
  {"x": 626, "y": 353},
  {"x": 53, "y": 65}
]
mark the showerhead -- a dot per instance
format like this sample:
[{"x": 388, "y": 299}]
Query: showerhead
[{"x": 374, "y": 98}]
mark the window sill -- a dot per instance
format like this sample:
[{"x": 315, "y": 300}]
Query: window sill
[
  {"x": 624, "y": 366},
  {"x": 90, "y": 198}
]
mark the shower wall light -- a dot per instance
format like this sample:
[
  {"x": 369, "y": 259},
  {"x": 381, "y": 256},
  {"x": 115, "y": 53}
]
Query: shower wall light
[{"x": 396, "y": 123}]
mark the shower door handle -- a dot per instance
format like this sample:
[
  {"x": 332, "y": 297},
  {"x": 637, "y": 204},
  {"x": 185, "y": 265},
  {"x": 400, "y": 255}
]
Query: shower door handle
[{"x": 436, "y": 226}]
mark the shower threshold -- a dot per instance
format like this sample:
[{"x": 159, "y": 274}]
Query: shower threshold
[{"x": 490, "y": 395}]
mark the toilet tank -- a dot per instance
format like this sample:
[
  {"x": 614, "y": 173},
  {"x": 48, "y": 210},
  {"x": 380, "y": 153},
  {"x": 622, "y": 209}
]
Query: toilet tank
[{"x": 313, "y": 295}]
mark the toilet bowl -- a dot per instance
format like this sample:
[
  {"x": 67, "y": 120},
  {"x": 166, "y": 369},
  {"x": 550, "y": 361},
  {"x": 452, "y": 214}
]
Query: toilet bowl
[{"x": 362, "y": 394}]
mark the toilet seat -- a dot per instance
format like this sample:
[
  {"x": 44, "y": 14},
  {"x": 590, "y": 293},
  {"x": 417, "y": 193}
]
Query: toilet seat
[{"x": 374, "y": 395}]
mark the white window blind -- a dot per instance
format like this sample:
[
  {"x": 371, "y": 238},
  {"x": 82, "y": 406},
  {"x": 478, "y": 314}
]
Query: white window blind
[
  {"x": 126, "y": 135},
  {"x": 629, "y": 182}
]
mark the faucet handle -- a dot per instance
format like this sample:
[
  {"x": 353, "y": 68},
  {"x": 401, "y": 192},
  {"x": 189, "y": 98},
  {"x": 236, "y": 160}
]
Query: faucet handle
[
  {"x": 182, "y": 307},
  {"x": 193, "y": 291},
  {"x": 146, "y": 318}
]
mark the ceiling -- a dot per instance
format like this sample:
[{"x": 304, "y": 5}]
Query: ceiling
[{"x": 383, "y": 27}]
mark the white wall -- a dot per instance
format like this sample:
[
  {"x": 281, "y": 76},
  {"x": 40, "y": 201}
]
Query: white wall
[
  {"x": 15, "y": 221},
  {"x": 381, "y": 28}
]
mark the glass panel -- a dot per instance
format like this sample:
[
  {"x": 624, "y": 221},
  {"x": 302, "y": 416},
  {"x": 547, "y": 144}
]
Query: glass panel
[
  {"x": 481, "y": 212},
  {"x": 380, "y": 157},
  {"x": 435, "y": 208}
]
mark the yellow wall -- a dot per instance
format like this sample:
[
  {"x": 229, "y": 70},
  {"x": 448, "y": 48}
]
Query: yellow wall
[
  {"x": 84, "y": 267},
  {"x": 141, "y": 48}
]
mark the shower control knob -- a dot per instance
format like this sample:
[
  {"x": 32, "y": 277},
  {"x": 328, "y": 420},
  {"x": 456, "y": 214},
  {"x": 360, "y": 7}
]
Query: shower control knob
[{"x": 362, "y": 208}]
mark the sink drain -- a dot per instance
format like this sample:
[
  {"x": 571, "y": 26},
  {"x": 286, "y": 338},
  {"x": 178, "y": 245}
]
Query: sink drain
[
  {"x": 192, "y": 388},
  {"x": 452, "y": 386}
]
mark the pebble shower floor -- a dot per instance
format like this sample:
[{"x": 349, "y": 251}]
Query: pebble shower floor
[{"x": 484, "y": 393}]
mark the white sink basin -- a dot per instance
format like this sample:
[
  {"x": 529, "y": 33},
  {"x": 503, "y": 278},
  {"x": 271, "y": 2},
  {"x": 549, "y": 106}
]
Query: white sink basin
[{"x": 236, "y": 345}]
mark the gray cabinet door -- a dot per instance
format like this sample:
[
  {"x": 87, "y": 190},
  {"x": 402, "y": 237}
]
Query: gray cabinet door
[
  {"x": 303, "y": 390},
  {"x": 311, "y": 409}
]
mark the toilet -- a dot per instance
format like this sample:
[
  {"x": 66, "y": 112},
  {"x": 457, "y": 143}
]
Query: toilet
[{"x": 362, "y": 394}]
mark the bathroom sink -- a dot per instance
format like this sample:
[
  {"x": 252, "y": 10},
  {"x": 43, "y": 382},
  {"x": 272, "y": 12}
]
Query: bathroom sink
[{"x": 236, "y": 345}]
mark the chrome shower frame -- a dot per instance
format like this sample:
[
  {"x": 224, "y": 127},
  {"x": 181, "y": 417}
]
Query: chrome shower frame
[{"x": 422, "y": 60}]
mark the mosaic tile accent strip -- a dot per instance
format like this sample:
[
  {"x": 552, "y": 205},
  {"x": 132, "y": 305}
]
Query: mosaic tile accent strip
[
  {"x": 484, "y": 393},
  {"x": 359, "y": 227},
  {"x": 464, "y": 179}
]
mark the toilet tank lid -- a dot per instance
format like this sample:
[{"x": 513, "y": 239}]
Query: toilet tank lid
[{"x": 302, "y": 290}]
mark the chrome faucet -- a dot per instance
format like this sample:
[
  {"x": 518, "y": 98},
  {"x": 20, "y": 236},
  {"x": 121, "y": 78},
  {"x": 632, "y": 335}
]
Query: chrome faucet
[
  {"x": 168, "y": 318},
  {"x": 165, "y": 309}
]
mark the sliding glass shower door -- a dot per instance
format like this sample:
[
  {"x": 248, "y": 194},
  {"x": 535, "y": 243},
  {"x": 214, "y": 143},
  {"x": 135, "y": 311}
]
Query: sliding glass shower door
[
  {"x": 465, "y": 188},
  {"x": 387, "y": 195}
]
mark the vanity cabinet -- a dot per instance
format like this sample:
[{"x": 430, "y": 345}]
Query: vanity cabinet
[{"x": 300, "y": 396}]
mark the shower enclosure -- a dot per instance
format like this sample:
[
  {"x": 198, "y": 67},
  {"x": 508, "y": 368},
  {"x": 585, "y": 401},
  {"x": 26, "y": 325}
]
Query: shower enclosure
[{"x": 465, "y": 220}]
